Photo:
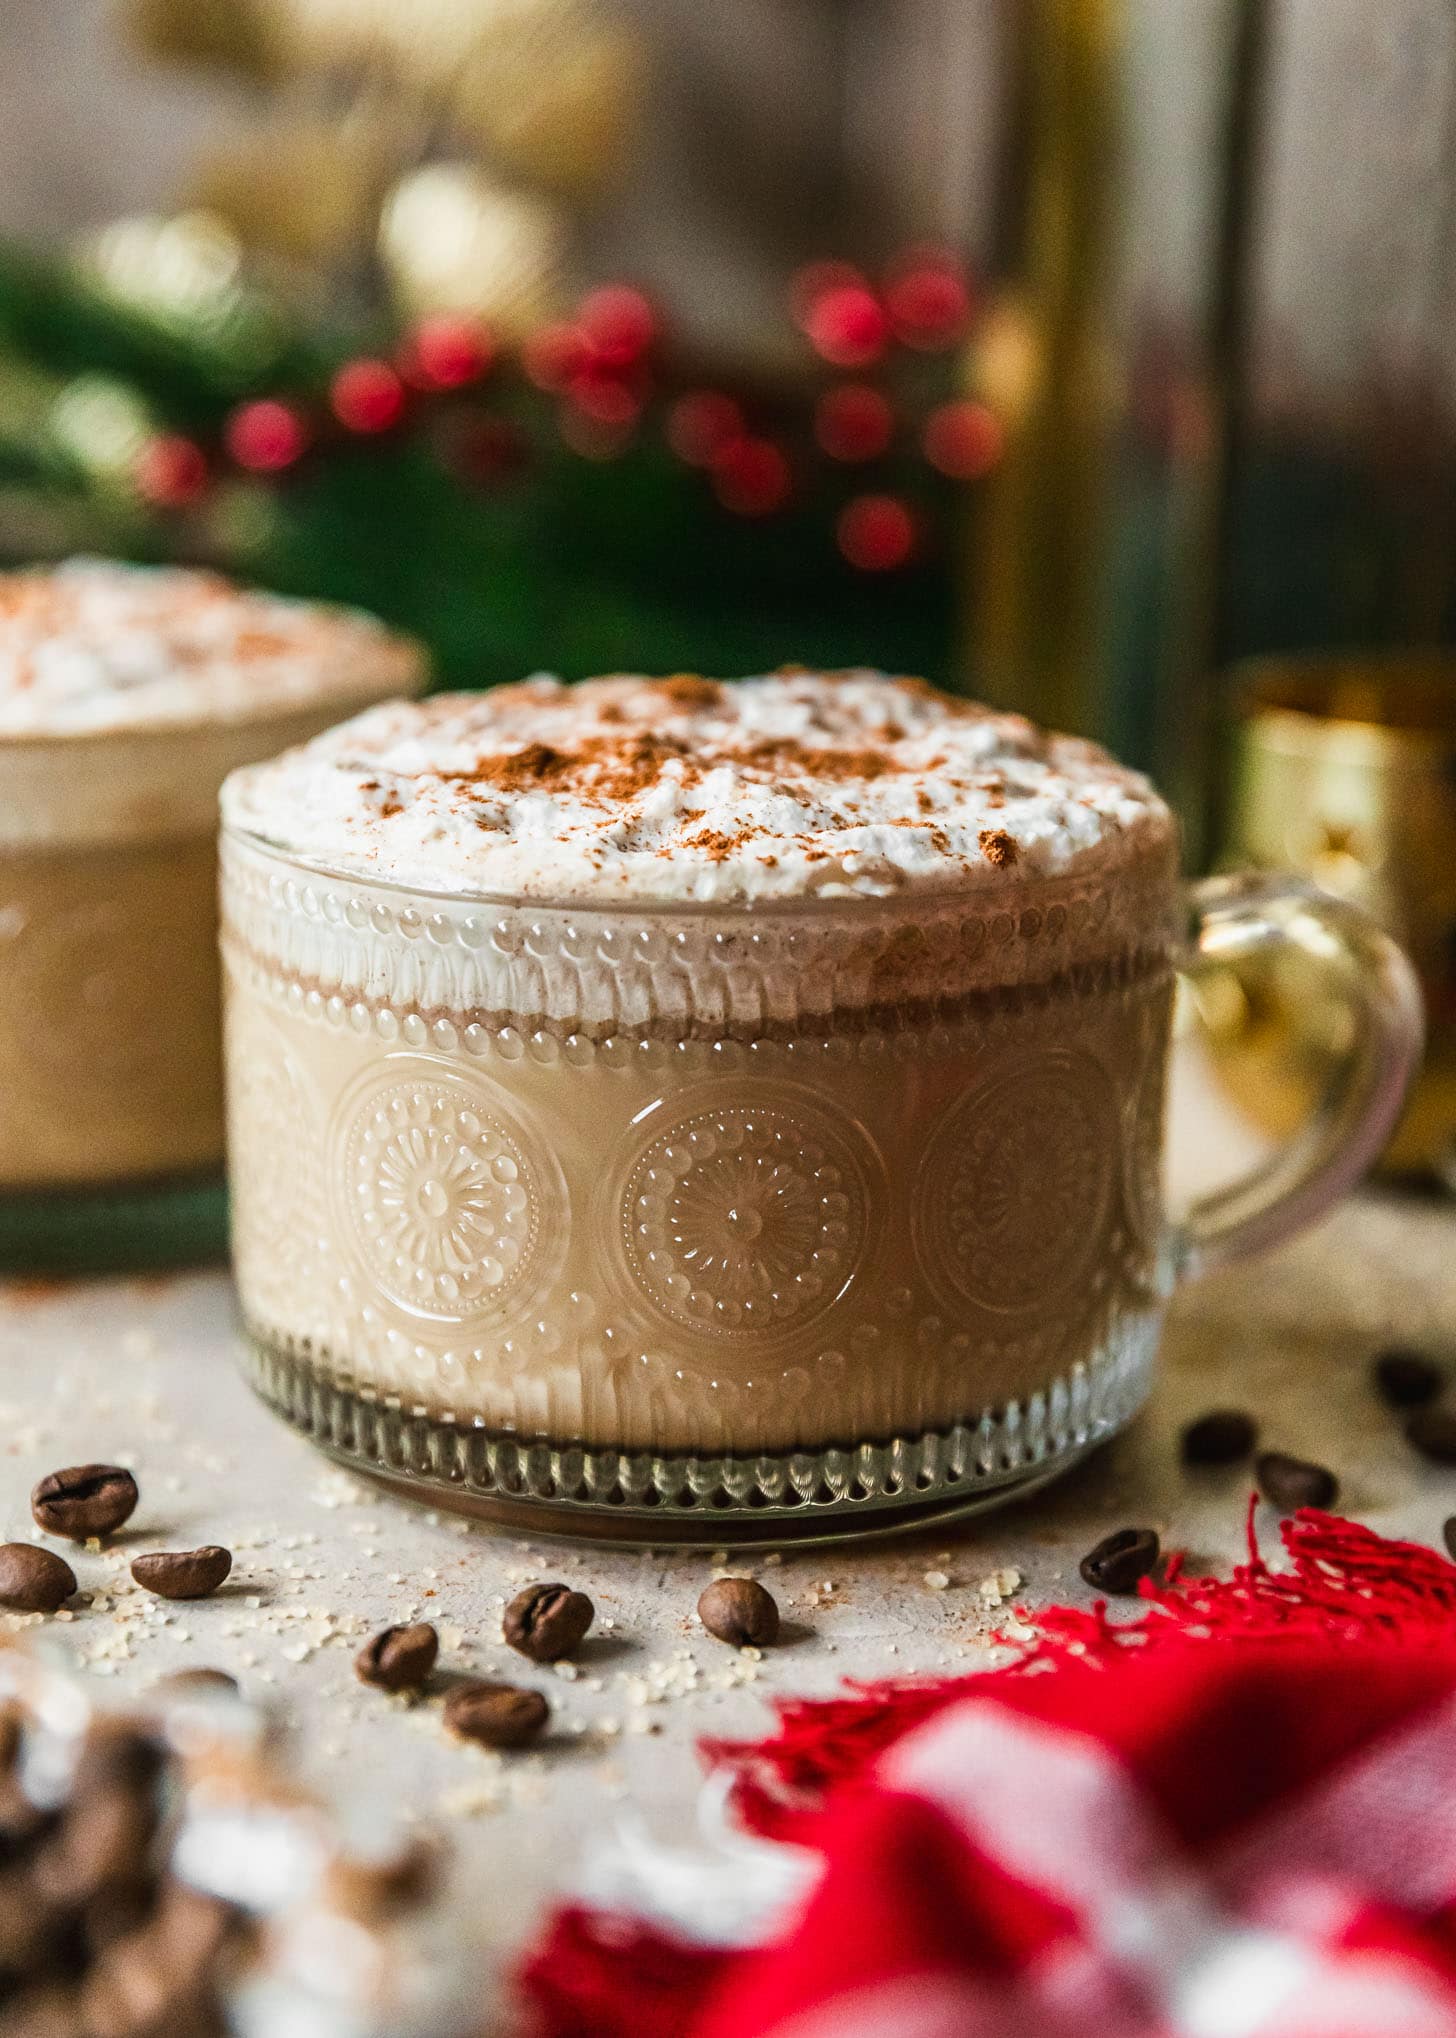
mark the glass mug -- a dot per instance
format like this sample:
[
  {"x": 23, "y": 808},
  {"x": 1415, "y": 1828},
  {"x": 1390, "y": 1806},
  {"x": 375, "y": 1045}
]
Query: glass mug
[
  {"x": 111, "y": 1089},
  {"x": 680, "y": 1222}
]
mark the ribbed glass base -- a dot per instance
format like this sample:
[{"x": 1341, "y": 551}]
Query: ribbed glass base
[{"x": 904, "y": 1482}]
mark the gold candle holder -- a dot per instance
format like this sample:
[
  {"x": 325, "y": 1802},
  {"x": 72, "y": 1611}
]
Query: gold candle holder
[{"x": 1344, "y": 768}]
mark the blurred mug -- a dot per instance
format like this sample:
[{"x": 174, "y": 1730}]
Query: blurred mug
[{"x": 1344, "y": 769}]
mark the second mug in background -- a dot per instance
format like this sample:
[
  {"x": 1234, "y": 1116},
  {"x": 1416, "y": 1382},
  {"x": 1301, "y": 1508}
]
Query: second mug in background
[{"x": 126, "y": 696}]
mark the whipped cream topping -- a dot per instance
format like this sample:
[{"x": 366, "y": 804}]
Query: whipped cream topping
[
  {"x": 96, "y": 645},
  {"x": 783, "y": 786}
]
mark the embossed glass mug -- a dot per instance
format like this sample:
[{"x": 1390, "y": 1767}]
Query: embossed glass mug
[
  {"x": 719, "y": 1221},
  {"x": 111, "y": 1087}
]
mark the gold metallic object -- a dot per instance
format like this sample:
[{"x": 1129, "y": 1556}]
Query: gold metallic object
[{"x": 1344, "y": 768}]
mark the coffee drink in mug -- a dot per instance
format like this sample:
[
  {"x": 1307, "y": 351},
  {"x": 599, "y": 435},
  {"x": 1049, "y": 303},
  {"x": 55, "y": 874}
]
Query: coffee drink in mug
[
  {"x": 675, "y": 1108},
  {"x": 127, "y": 694}
]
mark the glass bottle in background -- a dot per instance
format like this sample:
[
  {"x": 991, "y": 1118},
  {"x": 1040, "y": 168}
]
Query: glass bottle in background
[
  {"x": 1227, "y": 359},
  {"x": 1110, "y": 360}
]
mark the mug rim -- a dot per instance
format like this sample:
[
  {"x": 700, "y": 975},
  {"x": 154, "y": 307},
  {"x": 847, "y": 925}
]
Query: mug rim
[
  {"x": 1391, "y": 699},
  {"x": 909, "y": 901}
]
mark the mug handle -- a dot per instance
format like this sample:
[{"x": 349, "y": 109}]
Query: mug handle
[{"x": 1231, "y": 918}]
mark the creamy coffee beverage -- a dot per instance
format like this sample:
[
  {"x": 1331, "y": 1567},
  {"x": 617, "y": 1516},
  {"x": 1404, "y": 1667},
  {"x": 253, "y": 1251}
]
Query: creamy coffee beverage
[
  {"x": 126, "y": 696},
  {"x": 682, "y": 1095}
]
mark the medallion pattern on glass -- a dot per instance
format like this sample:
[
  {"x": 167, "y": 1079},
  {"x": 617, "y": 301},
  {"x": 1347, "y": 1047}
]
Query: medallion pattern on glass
[
  {"x": 1146, "y": 1032},
  {"x": 1015, "y": 1192},
  {"x": 743, "y": 1220},
  {"x": 442, "y": 1199}
]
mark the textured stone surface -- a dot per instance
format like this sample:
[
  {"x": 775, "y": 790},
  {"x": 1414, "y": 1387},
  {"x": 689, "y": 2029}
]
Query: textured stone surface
[{"x": 141, "y": 1373}]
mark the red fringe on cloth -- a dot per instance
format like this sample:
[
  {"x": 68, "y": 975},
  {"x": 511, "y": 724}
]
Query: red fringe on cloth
[{"x": 599, "y": 1976}]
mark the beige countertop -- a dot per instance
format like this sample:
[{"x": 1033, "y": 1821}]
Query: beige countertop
[{"x": 142, "y": 1372}]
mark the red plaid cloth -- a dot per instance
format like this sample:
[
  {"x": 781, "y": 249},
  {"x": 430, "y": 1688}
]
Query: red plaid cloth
[{"x": 1234, "y": 1818}]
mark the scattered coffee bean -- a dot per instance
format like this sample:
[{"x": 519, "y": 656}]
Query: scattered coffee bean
[
  {"x": 33, "y": 1580},
  {"x": 84, "y": 1500},
  {"x": 183, "y": 1574},
  {"x": 545, "y": 1622},
  {"x": 204, "y": 1679},
  {"x": 1406, "y": 1379},
  {"x": 1432, "y": 1432},
  {"x": 1291, "y": 1483},
  {"x": 398, "y": 1659},
  {"x": 1222, "y": 1437},
  {"x": 495, "y": 1715},
  {"x": 739, "y": 1611},
  {"x": 1118, "y": 1562}
]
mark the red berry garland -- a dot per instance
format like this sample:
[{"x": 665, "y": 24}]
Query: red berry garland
[
  {"x": 171, "y": 471},
  {"x": 266, "y": 436},
  {"x": 963, "y": 439},
  {"x": 601, "y": 366},
  {"x": 876, "y": 532},
  {"x": 751, "y": 477},
  {"x": 367, "y": 396},
  {"x": 854, "y": 422},
  {"x": 446, "y": 353}
]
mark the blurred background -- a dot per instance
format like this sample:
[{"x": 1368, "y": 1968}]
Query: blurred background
[{"x": 1072, "y": 352}]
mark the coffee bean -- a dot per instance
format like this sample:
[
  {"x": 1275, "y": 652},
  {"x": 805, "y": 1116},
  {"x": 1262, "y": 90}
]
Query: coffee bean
[
  {"x": 201, "y": 1681},
  {"x": 33, "y": 1580},
  {"x": 1406, "y": 1379},
  {"x": 1118, "y": 1562},
  {"x": 1432, "y": 1432},
  {"x": 1222, "y": 1437},
  {"x": 398, "y": 1659},
  {"x": 495, "y": 1715},
  {"x": 84, "y": 1500},
  {"x": 545, "y": 1622},
  {"x": 183, "y": 1574},
  {"x": 102, "y": 1845},
  {"x": 739, "y": 1611},
  {"x": 119, "y": 1754},
  {"x": 1291, "y": 1483}
]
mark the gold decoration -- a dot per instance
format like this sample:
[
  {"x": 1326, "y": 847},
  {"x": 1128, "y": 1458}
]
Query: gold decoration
[
  {"x": 237, "y": 36},
  {"x": 367, "y": 95},
  {"x": 297, "y": 189},
  {"x": 1345, "y": 768},
  {"x": 186, "y": 274},
  {"x": 450, "y": 241}
]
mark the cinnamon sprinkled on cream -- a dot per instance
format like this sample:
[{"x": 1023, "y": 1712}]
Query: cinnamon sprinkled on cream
[{"x": 684, "y": 788}]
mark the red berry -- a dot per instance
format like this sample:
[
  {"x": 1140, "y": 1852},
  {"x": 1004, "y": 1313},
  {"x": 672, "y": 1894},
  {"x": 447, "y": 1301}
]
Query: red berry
[
  {"x": 751, "y": 477},
  {"x": 265, "y": 435},
  {"x": 554, "y": 353},
  {"x": 929, "y": 302},
  {"x": 963, "y": 439},
  {"x": 367, "y": 396},
  {"x": 853, "y": 422},
  {"x": 604, "y": 398},
  {"x": 446, "y": 353},
  {"x": 701, "y": 424},
  {"x": 847, "y": 325},
  {"x": 171, "y": 471},
  {"x": 876, "y": 532},
  {"x": 811, "y": 282},
  {"x": 619, "y": 322}
]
